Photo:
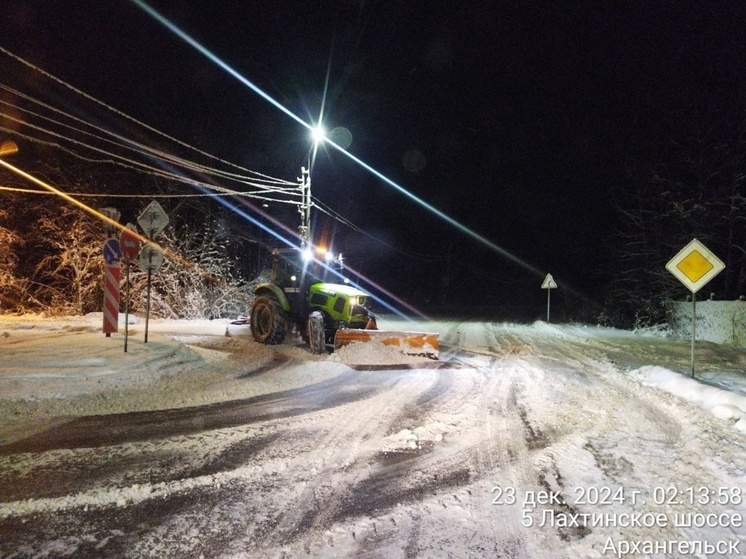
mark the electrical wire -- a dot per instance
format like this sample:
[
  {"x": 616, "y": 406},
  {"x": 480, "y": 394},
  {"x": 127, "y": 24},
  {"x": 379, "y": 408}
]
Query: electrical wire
[
  {"x": 157, "y": 171},
  {"x": 139, "y": 166},
  {"x": 268, "y": 185},
  {"x": 135, "y": 146},
  {"x": 334, "y": 215},
  {"x": 107, "y": 195},
  {"x": 120, "y": 113}
]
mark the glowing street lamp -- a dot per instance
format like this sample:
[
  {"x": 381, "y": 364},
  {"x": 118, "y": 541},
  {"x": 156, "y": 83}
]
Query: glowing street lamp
[
  {"x": 318, "y": 133},
  {"x": 8, "y": 147}
]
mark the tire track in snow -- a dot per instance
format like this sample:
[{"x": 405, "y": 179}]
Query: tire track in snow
[
  {"x": 370, "y": 477},
  {"x": 112, "y": 429},
  {"x": 345, "y": 454},
  {"x": 648, "y": 420}
]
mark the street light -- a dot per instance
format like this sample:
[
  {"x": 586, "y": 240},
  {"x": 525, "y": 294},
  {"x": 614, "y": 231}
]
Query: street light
[
  {"x": 318, "y": 133},
  {"x": 8, "y": 147}
]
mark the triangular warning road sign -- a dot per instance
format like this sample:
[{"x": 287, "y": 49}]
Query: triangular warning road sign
[{"x": 549, "y": 282}]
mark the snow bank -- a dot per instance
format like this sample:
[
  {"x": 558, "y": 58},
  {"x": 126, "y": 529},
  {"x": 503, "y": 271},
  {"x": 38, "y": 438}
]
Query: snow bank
[{"x": 721, "y": 403}]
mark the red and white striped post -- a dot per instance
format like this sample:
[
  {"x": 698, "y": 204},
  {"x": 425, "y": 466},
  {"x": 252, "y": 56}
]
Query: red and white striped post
[
  {"x": 112, "y": 256},
  {"x": 111, "y": 299}
]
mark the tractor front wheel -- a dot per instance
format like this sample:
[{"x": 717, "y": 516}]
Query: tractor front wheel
[
  {"x": 316, "y": 336},
  {"x": 268, "y": 321}
]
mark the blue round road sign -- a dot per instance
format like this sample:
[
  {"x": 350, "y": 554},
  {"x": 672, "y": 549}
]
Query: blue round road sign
[{"x": 112, "y": 252}]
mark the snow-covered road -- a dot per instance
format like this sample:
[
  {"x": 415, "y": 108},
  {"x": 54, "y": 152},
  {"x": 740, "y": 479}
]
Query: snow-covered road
[{"x": 524, "y": 441}]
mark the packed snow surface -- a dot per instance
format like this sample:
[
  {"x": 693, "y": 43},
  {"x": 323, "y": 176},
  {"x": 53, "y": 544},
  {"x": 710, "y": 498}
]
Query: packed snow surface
[{"x": 203, "y": 443}]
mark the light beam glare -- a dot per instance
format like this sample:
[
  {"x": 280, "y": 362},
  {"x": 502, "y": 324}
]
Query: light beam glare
[
  {"x": 451, "y": 221},
  {"x": 464, "y": 229},
  {"x": 238, "y": 211},
  {"x": 106, "y": 219},
  {"x": 204, "y": 51}
]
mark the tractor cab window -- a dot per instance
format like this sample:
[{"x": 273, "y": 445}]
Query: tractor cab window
[
  {"x": 286, "y": 273},
  {"x": 339, "y": 304},
  {"x": 289, "y": 263},
  {"x": 318, "y": 299}
]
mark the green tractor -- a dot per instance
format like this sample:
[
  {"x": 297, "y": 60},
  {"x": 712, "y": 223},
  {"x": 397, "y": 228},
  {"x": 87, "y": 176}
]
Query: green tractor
[{"x": 297, "y": 299}]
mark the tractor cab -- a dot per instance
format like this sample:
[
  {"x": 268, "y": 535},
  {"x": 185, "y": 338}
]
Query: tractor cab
[
  {"x": 304, "y": 296},
  {"x": 312, "y": 282},
  {"x": 293, "y": 268}
]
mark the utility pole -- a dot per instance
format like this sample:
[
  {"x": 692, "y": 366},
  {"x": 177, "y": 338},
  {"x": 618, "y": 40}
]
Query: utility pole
[
  {"x": 305, "y": 188},
  {"x": 305, "y": 207}
]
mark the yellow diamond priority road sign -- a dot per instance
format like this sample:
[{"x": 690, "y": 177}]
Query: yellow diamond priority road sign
[{"x": 695, "y": 265}]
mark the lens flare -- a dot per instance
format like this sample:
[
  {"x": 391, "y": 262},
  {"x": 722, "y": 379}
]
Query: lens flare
[{"x": 328, "y": 141}]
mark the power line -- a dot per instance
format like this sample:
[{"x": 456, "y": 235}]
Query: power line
[
  {"x": 334, "y": 215},
  {"x": 107, "y": 195},
  {"x": 120, "y": 113},
  {"x": 134, "y": 146},
  {"x": 143, "y": 168},
  {"x": 264, "y": 183}
]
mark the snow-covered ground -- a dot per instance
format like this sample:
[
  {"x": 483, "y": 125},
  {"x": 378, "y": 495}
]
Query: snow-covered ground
[
  {"x": 282, "y": 453},
  {"x": 67, "y": 366}
]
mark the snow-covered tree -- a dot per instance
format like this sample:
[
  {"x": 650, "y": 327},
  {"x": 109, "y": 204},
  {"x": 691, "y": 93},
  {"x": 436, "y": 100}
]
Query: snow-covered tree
[
  {"x": 691, "y": 186},
  {"x": 200, "y": 277},
  {"x": 11, "y": 285},
  {"x": 69, "y": 277}
]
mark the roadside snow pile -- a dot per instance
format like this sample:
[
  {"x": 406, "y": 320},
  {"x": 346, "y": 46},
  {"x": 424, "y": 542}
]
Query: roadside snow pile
[
  {"x": 657, "y": 331},
  {"x": 374, "y": 353},
  {"x": 37, "y": 367},
  {"x": 48, "y": 359},
  {"x": 723, "y": 404},
  {"x": 548, "y": 329}
]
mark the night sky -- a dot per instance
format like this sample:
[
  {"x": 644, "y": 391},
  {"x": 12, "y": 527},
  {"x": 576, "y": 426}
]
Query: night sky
[{"x": 517, "y": 119}]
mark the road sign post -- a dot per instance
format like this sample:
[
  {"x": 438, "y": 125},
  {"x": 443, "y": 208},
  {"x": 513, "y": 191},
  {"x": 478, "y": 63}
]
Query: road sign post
[
  {"x": 153, "y": 220},
  {"x": 548, "y": 284},
  {"x": 151, "y": 259},
  {"x": 127, "y": 305},
  {"x": 111, "y": 299},
  {"x": 147, "y": 305},
  {"x": 129, "y": 241},
  {"x": 694, "y": 266}
]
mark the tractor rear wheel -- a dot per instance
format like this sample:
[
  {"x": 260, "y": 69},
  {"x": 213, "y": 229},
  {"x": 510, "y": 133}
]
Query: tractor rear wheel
[
  {"x": 316, "y": 336},
  {"x": 268, "y": 321}
]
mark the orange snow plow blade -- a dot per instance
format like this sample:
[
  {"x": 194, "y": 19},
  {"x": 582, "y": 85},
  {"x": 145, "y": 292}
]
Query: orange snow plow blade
[{"x": 409, "y": 343}]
